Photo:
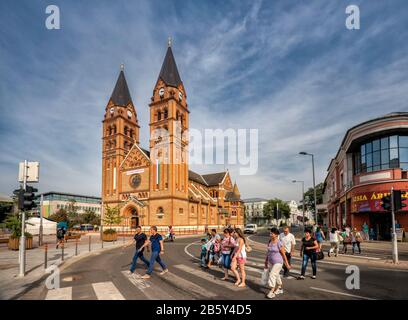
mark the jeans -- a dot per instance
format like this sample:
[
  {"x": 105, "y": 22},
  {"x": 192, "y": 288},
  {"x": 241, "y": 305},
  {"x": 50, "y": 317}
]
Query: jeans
[
  {"x": 285, "y": 270},
  {"x": 155, "y": 257},
  {"x": 203, "y": 258},
  {"x": 305, "y": 261},
  {"x": 226, "y": 260},
  {"x": 354, "y": 246},
  {"x": 135, "y": 257}
]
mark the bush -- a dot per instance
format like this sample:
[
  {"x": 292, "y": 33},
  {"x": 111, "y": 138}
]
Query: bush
[
  {"x": 26, "y": 234},
  {"x": 109, "y": 231}
]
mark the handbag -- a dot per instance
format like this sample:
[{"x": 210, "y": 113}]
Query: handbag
[
  {"x": 340, "y": 238},
  {"x": 265, "y": 277},
  {"x": 320, "y": 255}
]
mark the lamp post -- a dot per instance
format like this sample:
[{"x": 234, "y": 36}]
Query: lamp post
[
  {"x": 314, "y": 183},
  {"x": 303, "y": 200}
]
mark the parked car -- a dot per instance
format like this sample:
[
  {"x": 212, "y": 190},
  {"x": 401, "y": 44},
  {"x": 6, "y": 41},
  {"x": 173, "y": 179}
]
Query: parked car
[
  {"x": 251, "y": 228},
  {"x": 87, "y": 227}
]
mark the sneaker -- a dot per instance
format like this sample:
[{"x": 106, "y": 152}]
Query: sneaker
[
  {"x": 301, "y": 278},
  {"x": 328, "y": 254},
  {"x": 313, "y": 277},
  {"x": 279, "y": 291},
  {"x": 271, "y": 295},
  {"x": 164, "y": 272},
  {"x": 146, "y": 276},
  {"x": 129, "y": 272}
]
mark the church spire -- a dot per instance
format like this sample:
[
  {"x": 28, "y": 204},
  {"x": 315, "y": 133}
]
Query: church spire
[
  {"x": 121, "y": 95},
  {"x": 169, "y": 72}
]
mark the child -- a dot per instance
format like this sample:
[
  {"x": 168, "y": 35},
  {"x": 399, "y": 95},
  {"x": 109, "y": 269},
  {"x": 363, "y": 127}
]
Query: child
[{"x": 203, "y": 255}]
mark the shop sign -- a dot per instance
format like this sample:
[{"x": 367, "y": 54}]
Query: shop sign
[{"x": 371, "y": 201}]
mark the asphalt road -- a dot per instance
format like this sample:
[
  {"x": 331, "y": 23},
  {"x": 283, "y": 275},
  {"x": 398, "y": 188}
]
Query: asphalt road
[{"x": 104, "y": 277}]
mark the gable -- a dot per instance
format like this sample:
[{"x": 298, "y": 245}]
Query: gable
[{"x": 135, "y": 158}]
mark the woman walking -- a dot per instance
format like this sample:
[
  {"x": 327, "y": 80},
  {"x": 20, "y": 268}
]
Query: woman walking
[
  {"x": 319, "y": 234},
  {"x": 356, "y": 239},
  {"x": 308, "y": 251},
  {"x": 275, "y": 258},
  {"x": 239, "y": 258},
  {"x": 227, "y": 247},
  {"x": 334, "y": 242}
]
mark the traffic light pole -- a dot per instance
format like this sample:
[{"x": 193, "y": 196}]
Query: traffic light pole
[
  {"x": 394, "y": 234},
  {"x": 22, "y": 238}
]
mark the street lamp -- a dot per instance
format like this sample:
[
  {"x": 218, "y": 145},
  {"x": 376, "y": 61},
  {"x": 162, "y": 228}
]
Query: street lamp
[
  {"x": 303, "y": 200},
  {"x": 314, "y": 183}
]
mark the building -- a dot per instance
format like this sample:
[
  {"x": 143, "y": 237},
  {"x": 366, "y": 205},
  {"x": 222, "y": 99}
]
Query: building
[
  {"x": 54, "y": 201},
  {"x": 372, "y": 159},
  {"x": 154, "y": 186},
  {"x": 254, "y": 210}
]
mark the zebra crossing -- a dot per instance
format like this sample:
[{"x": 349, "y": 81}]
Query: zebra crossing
[{"x": 108, "y": 290}]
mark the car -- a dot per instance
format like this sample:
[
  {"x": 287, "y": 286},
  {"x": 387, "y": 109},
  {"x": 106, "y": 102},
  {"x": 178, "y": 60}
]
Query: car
[
  {"x": 87, "y": 227},
  {"x": 251, "y": 228}
]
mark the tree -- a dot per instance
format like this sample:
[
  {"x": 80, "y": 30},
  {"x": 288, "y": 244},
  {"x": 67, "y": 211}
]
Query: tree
[
  {"x": 91, "y": 217},
  {"x": 269, "y": 210},
  {"x": 309, "y": 197},
  {"x": 111, "y": 217},
  {"x": 59, "y": 216},
  {"x": 13, "y": 223}
]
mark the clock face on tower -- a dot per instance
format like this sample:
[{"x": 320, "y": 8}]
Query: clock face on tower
[{"x": 135, "y": 180}]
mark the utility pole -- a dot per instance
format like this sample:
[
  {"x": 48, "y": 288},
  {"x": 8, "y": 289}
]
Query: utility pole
[
  {"x": 41, "y": 220},
  {"x": 22, "y": 238},
  {"x": 394, "y": 234}
]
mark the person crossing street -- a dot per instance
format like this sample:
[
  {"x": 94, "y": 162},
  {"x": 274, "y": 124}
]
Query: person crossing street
[
  {"x": 289, "y": 242},
  {"x": 140, "y": 240}
]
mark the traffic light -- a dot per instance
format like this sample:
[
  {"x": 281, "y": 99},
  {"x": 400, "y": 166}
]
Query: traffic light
[
  {"x": 386, "y": 203},
  {"x": 19, "y": 193},
  {"x": 398, "y": 201},
  {"x": 29, "y": 198}
]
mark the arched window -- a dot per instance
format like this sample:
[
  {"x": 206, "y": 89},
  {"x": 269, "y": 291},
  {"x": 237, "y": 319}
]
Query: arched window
[
  {"x": 126, "y": 145},
  {"x": 126, "y": 130},
  {"x": 131, "y": 133},
  {"x": 114, "y": 129},
  {"x": 165, "y": 113},
  {"x": 159, "y": 115},
  {"x": 160, "y": 212},
  {"x": 177, "y": 115},
  {"x": 192, "y": 209}
]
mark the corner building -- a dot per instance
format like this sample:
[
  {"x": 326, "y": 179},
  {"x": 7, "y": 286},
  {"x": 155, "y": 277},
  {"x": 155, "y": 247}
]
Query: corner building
[
  {"x": 154, "y": 186},
  {"x": 372, "y": 159}
]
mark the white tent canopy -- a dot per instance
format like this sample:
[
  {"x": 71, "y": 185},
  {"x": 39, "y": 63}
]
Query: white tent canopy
[{"x": 33, "y": 226}]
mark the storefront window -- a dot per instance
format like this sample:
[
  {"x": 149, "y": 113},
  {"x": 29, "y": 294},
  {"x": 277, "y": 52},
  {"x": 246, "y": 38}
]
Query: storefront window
[{"x": 383, "y": 153}]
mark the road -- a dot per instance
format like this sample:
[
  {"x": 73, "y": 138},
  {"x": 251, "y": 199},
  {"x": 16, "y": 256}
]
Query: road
[{"x": 104, "y": 277}]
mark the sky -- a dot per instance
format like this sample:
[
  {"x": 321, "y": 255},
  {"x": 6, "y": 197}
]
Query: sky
[{"x": 290, "y": 69}]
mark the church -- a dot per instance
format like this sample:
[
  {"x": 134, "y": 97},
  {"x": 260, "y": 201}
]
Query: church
[{"x": 154, "y": 186}]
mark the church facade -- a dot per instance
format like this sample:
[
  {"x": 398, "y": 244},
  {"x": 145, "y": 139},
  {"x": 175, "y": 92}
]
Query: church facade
[{"x": 154, "y": 186}]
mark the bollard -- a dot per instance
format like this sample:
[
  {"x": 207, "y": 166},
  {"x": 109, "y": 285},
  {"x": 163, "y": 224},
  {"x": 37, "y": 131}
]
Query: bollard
[
  {"x": 123, "y": 234},
  {"x": 45, "y": 255},
  {"x": 76, "y": 247},
  {"x": 102, "y": 243},
  {"x": 89, "y": 243},
  {"x": 62, "y": 252}
]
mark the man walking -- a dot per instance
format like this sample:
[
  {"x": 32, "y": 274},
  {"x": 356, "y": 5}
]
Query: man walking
[
  {"x": 289, "y": 242},
  {"x": 156, "y": 243},
  {"x": 140, "y": 239}
]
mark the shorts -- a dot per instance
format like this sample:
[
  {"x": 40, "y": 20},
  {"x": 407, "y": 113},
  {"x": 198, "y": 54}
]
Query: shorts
[
  {"x": 226, "y": 260},
  {"x": 241, "y": 260}
]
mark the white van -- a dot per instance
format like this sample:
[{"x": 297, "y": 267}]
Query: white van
[{"x": 251, "y": 228}]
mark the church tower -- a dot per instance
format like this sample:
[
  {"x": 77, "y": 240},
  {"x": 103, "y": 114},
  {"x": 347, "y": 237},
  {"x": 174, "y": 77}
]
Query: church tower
[
  {"x": 169, "y": 122},
  {"x": 120, "y": 132}
]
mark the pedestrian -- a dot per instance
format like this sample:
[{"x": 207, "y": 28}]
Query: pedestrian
[
  {"x": 140, "y": 239},
  {"x": 334, "y": 242},
  {"x": 239, "y": 258},
  {"x": 171, "y": 233},
  {"x": 227, "y": 247},
  {"x": 288, "y": 240},
  {"x": 356, "y": 239},
  {"x": 319, "y": 236},
  {"x": 275, "y": 258},
  {"x": 61, "y": 231},
  {"x": 365, "y": 231},
  {"x": 214, "y": 248},
  {"x": 157, "y": 248},
  {"x": 203, "y": 254},
  {"x": 308, "y": 251},
  {"x": 372, "y": 234},
  {"x": 346, "y": 240}
]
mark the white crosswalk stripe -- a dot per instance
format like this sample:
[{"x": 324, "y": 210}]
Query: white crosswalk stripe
[
  {"x": 59, "y": 294},
  {"x": 188, "y": 285},
  {"x": 107, "y": 291}
]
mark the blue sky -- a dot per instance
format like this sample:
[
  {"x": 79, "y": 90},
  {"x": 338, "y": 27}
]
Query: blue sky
[{"x": 288, "y": 68}]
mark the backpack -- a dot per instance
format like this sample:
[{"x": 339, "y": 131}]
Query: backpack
[{"x": 60, "y": 233}]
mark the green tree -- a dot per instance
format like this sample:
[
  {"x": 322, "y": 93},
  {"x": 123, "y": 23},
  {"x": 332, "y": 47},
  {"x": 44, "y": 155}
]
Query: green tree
[
  {"x": 13, "y": 223},
  {"x": 59, "y": 216},
  {"x": 91, "y": 217},
  {"x": 269, "y": 210},
  {"x": 111, "y": 217},
  {"x": 309, "y": 197}
]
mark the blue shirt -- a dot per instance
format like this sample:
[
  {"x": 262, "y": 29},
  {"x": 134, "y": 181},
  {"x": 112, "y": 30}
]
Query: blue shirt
[{"x": 155, "y": 242}]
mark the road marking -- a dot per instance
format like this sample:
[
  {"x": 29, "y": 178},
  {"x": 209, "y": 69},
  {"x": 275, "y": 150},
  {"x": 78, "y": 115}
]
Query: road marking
[
  {"x": 360, "y": 257},
  {"x": 188, "y": 285},
  {"x": 188, "y": 253},
  {"x": 207, "y": 276},
  {"x": 136, "y": 280},
  {"x": 342, "y": 293},
  {"x": 59, "y": 294},
  {"x": 107, "y": 291}
]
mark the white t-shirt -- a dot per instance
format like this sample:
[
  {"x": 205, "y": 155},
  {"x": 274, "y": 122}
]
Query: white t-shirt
[
  {"x": 288, "y": 241},
  {"x": 334, "y": 237}
]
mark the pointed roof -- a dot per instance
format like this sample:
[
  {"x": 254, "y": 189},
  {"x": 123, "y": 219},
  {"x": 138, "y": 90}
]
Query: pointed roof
[
  {"x": 121, "y": 95},
  {"x": 236, "y": 190},
  {"x": 169, "y": 72}
]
